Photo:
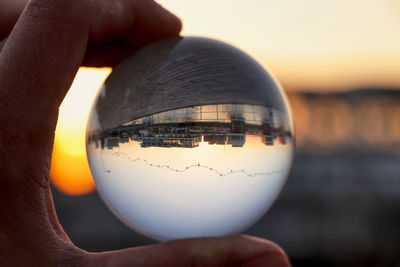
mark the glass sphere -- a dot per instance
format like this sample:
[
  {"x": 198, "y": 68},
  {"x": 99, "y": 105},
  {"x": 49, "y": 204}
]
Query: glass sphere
[{"x": 189, "y": 137}]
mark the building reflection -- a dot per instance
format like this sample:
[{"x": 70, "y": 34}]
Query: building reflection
[{"x": 185, "y": 128}]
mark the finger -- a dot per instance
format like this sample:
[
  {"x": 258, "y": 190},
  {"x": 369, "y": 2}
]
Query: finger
[
  {"x": 107, "y": 54},
  {"x": 225, "y": 251},
  {"x": 141, "y": 21},
  {"x": 151, "y": 26},
  {"x": 146, "y": 27},
  {"x": 37, "y": 65}
]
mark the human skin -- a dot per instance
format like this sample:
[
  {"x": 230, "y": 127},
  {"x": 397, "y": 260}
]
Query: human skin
[{"x": 38, "y": 62}]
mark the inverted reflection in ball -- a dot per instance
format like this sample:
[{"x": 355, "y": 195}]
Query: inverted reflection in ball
[{"x": 189, "y": 137}]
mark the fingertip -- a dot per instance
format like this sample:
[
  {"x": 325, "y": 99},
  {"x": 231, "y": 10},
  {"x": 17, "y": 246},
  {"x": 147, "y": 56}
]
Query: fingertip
[
  {"x": 176, "y": 23},
  {"x": 264, "y": 242},
  {"x": 171, "y": 23},
  {"x": 273, "y": 255},
  {"x": 152, "y": 22}
]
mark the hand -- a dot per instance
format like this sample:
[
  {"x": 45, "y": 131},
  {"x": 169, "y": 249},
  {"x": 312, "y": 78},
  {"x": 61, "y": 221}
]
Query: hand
[{"x": 38, "y": 62}]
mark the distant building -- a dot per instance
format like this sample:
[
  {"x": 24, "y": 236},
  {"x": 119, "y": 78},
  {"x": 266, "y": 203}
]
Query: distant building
[
  {"x": 219, "y": 139},
  {"x": 236, "y": 139},
  {"x": 268, "y": 139},
  {"x": 111, "y": 142},
  {"x": 165, "y": 141}
]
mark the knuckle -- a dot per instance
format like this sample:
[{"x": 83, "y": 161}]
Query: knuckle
[{"x": 56, "y": 11}]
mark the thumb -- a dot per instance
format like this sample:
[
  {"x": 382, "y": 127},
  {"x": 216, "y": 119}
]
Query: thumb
[{"x": 224, "y": 251}]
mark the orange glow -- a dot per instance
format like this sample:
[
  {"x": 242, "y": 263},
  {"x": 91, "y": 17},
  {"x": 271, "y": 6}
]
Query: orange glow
[
  {"x": 345, "y": 71},
  {"x": 70, "y": 171}
]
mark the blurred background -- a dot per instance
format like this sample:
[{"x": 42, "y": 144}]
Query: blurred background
[{"x": 339, "y": 63}]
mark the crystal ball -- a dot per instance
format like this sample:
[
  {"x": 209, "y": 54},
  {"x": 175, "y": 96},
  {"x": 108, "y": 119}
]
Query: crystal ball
[{"x": 189, "y": 137}]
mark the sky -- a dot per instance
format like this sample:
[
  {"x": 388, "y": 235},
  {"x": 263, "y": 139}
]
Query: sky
[{"x": 309, "y": 45}]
